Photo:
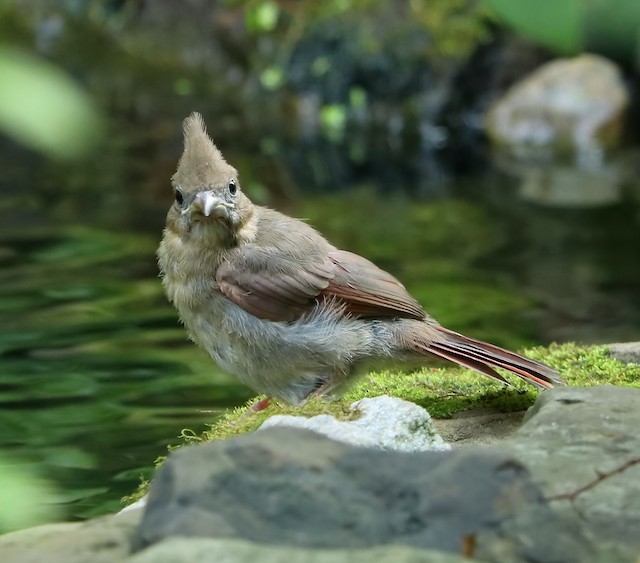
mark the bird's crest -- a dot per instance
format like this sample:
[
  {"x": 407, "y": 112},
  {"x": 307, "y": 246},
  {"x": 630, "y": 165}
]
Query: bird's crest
[{"x": 201, "y": 163}]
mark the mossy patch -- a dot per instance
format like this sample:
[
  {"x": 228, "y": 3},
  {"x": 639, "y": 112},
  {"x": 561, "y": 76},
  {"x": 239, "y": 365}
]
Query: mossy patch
[{"x": 442, "y": 391}]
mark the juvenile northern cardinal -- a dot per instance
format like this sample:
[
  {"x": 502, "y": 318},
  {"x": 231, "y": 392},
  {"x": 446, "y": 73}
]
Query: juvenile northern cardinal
[{"x": 277, "y": 305}]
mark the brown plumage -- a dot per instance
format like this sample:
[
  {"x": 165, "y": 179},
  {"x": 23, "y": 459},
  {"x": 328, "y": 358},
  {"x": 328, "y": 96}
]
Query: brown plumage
[{"x": 276, "y": 304}]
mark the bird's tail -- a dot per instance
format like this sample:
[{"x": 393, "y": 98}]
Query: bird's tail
[{"x": 483, "y": 358}]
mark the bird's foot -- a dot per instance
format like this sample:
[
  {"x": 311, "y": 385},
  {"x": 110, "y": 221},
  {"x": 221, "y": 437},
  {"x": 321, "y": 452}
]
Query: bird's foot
[{"x": 261, "y": 404}]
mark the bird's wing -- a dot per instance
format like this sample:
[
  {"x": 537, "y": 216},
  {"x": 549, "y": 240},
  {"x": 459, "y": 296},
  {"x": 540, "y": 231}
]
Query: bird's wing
[
  {"x": 368, "y": 291},
  {"x": 272, "y": 285},
  {"x": 292, "y": 288}
]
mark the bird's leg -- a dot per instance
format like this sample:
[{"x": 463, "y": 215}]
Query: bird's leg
[
  {"x": 325, "y": 389},
  {"x": 261, "y": 404}
]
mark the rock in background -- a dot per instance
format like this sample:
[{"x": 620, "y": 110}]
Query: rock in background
[
  {"x": 566, "y": 106},
  {"x": 560, "y": 129},
  {"x": 626, "y": 352}
]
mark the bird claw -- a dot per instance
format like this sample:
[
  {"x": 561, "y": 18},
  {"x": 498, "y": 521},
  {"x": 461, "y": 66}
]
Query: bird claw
[{"x": 261, "y": 405}]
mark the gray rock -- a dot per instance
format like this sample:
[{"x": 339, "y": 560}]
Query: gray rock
[
  {"x": 295, "y": 488},
  {"x": 285, "y": 494},
  {"x": 107, "y": 540},
  {"x": 197, "y": 550},
  {"x": 582, "y": 446},
  {"x": 479, "y": 427},
  {"x": 102, "y": 540},
  {"x": 627, "y": 352},
  {"x": 567, "y": 105},
  {"x": 385, "y": 423}
]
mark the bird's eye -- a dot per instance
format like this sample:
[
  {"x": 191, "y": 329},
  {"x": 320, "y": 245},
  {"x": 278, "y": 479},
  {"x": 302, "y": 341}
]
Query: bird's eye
[
  {"x": 232, "y": 187},
  {"x": 179, "y": 196}
]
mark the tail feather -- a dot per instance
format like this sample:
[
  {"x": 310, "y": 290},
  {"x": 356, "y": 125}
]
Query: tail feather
[
  {"x": 483, "y": 357},
  {"x": 466, "y": 361}
]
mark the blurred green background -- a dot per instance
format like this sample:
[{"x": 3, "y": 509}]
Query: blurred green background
[{"x": 363, "y": 116}]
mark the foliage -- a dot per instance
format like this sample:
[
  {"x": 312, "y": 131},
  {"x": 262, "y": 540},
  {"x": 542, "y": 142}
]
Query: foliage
[
  {"x": 552, "y": 23},
  {"x": 611, "y": 28},
  {"x": 25, "y": 498},
  {"x": 43, "y": 108},
  {"x": 456, "y": 25}
]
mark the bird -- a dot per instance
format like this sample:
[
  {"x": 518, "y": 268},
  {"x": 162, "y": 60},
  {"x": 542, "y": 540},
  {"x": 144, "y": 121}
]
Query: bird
[{"x": 282, "y": 309}]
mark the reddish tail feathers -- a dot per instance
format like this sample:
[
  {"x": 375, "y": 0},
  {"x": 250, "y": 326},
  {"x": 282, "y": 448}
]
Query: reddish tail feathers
[{"x": 482, "y": 357}]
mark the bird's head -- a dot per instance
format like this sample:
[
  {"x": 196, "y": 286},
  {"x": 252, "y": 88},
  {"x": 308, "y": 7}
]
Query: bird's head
[{"x": 208, "y": 203}]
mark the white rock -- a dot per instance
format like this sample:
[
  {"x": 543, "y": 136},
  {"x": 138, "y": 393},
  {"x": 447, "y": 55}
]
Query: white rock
[
  {"x": 140, "y": 503},
  {"x": 386, "y": 423}
]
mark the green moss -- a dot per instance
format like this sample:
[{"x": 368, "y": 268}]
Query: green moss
[
  {"x": 587, "y": 366},
  {"x": 442, "y": 391}
]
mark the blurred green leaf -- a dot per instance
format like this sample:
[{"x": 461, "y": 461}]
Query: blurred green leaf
[
  {"x": 43, "y": 108},
  {"x": 555, "y": 24},
  {"x": 333, "y": 119},
  {"x": 183, "y": 86},
  {"x": 612, "y": 28},
  {"x": 25, "y": 499},
  {"x": 358, "y": 98},
  {"x": 263, "y": 17},
  {"x": 321, "y": 66},
  {"x": 271, "y": 78}
]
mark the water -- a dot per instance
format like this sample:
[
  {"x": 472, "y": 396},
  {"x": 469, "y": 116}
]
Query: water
[{"x": 96, "y": 375}]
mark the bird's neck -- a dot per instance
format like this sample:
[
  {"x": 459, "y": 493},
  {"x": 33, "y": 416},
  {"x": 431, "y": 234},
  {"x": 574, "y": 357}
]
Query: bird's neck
[
  {"x": 247, "y": 229},
  {"x": 188, "y": 267},
  {"x": 189, "y": 257}
]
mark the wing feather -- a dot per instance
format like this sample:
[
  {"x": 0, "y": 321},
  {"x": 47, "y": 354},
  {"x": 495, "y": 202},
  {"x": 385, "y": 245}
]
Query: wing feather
[
  {"x": 280, "y": 287},
  {"x": 369, "y": 291}
]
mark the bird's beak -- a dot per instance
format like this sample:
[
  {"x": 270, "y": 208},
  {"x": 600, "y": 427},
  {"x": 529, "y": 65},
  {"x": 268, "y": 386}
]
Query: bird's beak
[{"x": 210, "y": 205}]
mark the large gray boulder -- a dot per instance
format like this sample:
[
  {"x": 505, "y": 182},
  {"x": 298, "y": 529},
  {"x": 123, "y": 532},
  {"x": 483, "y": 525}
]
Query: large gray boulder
[
  {"x": 295, "y": 488},
  {"x": 582, "y": 446}
]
